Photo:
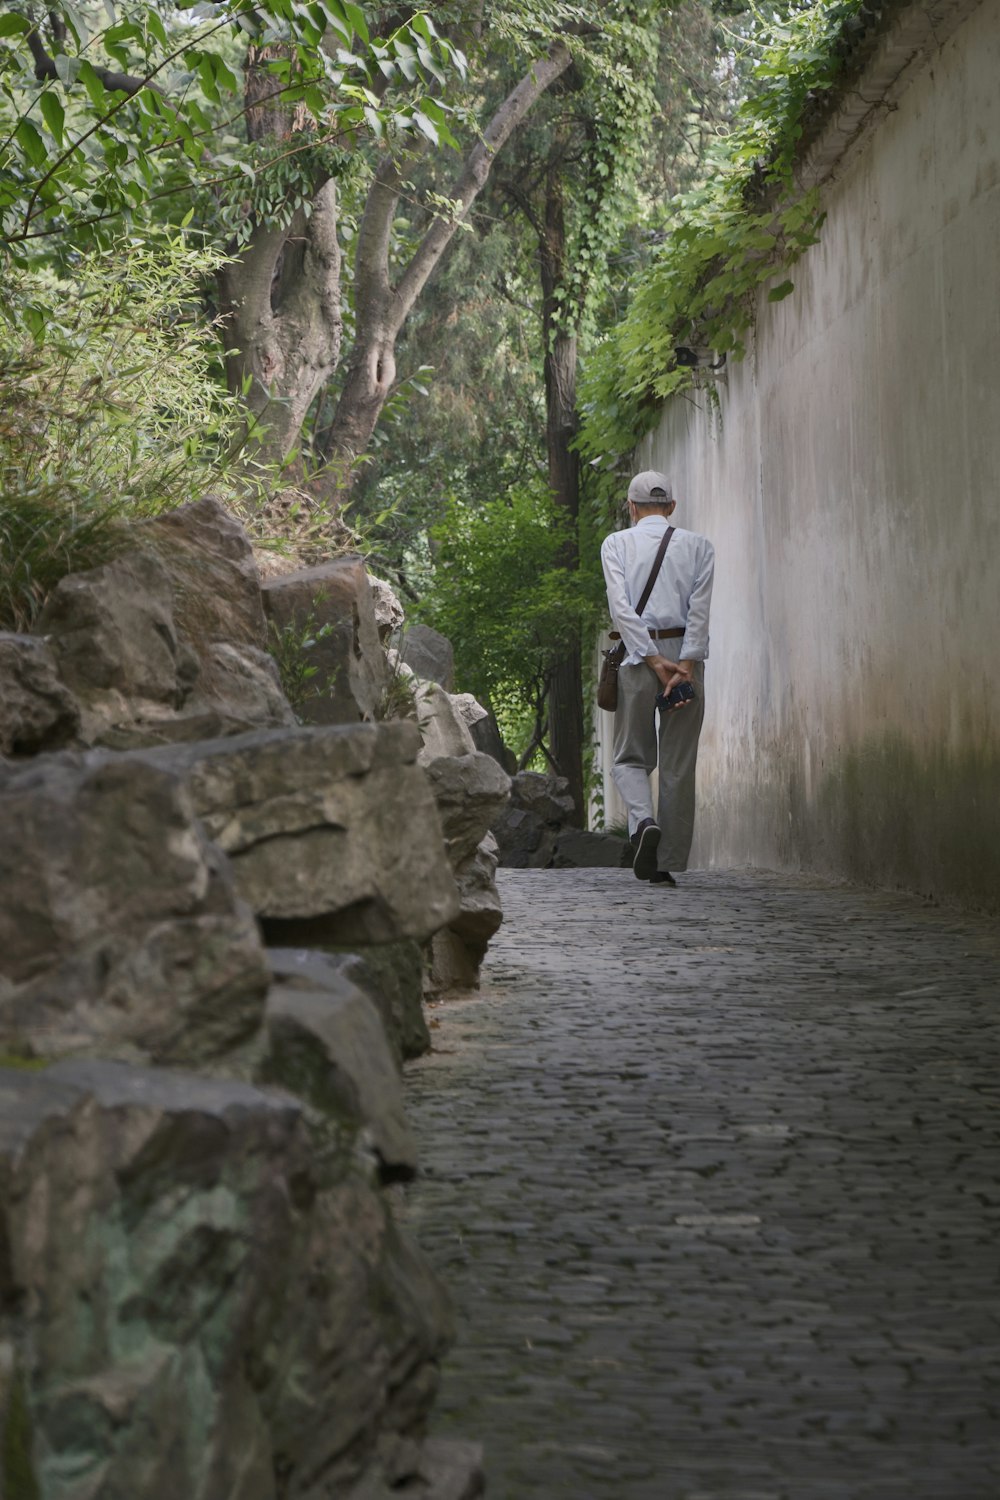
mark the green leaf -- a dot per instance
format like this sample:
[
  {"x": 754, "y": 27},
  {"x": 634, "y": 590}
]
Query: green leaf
[
  {"x": 53, "y": 114},
  {"x": 96, "y": 91},
  {"x": 13, "y": 25},
  {"x": 779, "y": 293},
  {"x": 31, "y": 143},
  {"x": 356, "y": 16}
]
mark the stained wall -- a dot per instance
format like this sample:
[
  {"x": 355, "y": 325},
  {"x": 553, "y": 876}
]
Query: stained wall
[{"x": 850, "y": 480}]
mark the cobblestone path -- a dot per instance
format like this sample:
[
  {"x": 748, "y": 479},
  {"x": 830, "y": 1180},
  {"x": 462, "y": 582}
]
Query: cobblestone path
[{"x": 714, "y": 1176}]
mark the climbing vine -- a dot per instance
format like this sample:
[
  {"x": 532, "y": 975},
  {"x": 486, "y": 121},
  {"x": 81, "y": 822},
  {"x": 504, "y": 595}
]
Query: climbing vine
[{"x": 742, "y": 228}]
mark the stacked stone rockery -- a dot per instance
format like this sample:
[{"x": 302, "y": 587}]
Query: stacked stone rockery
[
  {"x": 537, "y": 830},
  {"x": 210, "y": 940},
  {"x": 471, "y": 790}
]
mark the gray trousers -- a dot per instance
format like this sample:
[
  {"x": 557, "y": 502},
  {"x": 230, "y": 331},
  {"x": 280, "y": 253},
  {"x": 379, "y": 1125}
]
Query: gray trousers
[{"x": 672, "y": 752}]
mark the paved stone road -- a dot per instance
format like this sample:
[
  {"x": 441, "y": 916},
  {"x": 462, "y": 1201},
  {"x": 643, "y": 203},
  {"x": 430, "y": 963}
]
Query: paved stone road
[{"x": 714, "y": 1176}]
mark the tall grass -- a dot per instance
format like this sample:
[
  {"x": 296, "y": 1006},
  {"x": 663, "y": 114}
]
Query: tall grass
[{"x": 111, "y": 410}]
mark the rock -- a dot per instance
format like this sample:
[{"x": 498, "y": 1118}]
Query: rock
[
  {"x": 470, "y": 790},
  {"x": 389, "y": 974},
  {"x": 430, "y": 654},
  {"x": 208, "y": 1303},
  {"x": 452, "y": 967},
  {"x": 120, "y": 928},
  {"x": 443, "y": 727},
  {"x": 546, "y": 796},
  {"x": 575, "y": 848},
  {"x": 113, "y": 636},
  {"x": 333, "y": 833},
  {"x": 331, "y": 604},
  {"x": 487, "y": 738},
  {"x": 389, "y": 613},
  {"x": 458, "y": 950},
  {"x": 540, "y": 808},
  {"x": 37, "y": 712},
  {"x": 327, "y": 1045},
  {"x": 481, "y": 913},
  {"x": 210, "y": 561},
  {"x": 469, "y": 708},
  {"x": 525, "y": 841},
  {"x": 392, "y": 975},
  {"x": 439, "y": 1469},
  {"x": 241, "y": 684}
]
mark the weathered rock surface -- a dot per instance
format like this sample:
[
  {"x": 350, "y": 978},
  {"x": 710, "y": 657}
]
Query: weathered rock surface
[
  {"x": 168, "y": 634},
  {"x": 333, "y": 833},
  {"x": 540, "y": 808},
  {"x": 487, "y": 737},
  {"x": 120, "y": 928},
  {"x": 37, "y": 711},
  {"x": 113, "y": 635},
  {"x": 471, "y": 791},
  {"x": 210, "y": 561},
  {"x": 207, "y": 1304},
  {"x": 536, "y": 831},
  {"x": 332, "y": 605},
  {"x": 444, "y": 728},
  {"x": 326, "y": 1043},
  {"x": 439, "y": 1469},
  {"x": 430, "y": 655},
  {"x": 389, "y": 613},
  {"x": 241, "y": 683},
  {"x": 575, "y": 848},
  {"x": 525, "y": 841}
]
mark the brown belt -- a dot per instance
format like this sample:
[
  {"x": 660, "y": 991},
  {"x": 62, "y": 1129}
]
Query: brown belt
[{"x": 658, "y": 635}]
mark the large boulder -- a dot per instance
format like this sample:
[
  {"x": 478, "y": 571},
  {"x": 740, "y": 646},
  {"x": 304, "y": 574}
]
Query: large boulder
[
  {"x": 577, "y": 849},
  {"x": 326, "y": 1043},
  {"x": 210, "y": 561},
  {"x": 168, "y": 635},
  {"x": 471, "y": 791},
  {"x": 444, "y": 727},
  {"x": 540, "y": 809},
  {"x": 429, "y": 654},
  {"x": 115, "y": 642},
  {"x": 331, "y": 607},
  {"x": 37, "y": 711},
  {"x": 333, "y": 833},
  {"x": 120, "y": 928},
  {"x": 210, "y": 1302}
]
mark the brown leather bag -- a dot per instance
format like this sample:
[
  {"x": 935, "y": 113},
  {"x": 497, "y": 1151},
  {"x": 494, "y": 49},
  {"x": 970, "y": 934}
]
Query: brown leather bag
[{"x": 607, "y": 685}]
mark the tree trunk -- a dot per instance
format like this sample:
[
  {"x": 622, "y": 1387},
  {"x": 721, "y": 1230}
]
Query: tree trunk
[
  {"x": 383, "y": 307},
  {"x": 566, "y": 692},
  {"x": 283, "y": 326}
]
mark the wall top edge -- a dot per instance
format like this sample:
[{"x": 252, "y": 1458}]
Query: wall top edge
[{"x": 886, "y": 62}]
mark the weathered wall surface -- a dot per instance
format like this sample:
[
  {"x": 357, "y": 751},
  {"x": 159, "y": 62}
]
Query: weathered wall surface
[{"x": 852, "y": 489}]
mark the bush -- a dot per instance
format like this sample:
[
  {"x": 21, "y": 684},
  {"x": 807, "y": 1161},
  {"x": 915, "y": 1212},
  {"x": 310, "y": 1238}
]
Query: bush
[
  {"x": 502, "y": 595},
  {"x": 110, "y": 411}
]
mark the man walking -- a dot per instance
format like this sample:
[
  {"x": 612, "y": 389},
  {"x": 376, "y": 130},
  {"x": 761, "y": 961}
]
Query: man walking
[{"x": 676, "y": 611}]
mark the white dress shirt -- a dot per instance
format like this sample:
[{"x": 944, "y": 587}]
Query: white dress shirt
[{"x": 681, "y": 594}]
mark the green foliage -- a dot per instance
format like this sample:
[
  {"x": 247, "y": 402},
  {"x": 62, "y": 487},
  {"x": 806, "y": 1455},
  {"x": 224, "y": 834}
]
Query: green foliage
[
  {"x": 290, "y": 645},
  {"x": 102, "y": 115},
  {"x": 109, "y": 411},
  {"x": 501, "y": 596},
  {"x": 747, "y": 222}
]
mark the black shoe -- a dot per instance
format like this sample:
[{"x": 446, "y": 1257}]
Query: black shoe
[
  {"x": 662, "y": 877},
  {"x": 647, "y": 839}
]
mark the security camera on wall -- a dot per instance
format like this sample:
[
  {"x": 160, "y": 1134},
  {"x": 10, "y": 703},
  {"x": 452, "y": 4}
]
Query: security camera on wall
[{"x": 698, "y": 359}]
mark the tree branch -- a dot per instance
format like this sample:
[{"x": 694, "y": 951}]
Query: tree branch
[{"x": 477, "y": 169}]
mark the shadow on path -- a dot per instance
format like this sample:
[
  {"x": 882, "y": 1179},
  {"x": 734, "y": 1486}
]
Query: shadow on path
[{"x": 714, "y": 1177}]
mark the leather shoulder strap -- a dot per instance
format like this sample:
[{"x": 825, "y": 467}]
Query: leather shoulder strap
[{"x": 661, "y": 553}]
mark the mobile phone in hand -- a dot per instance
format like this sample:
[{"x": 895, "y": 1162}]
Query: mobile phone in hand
[{"x": 678, "y": 696}]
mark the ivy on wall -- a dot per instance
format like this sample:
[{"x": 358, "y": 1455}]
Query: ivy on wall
[{"x": 745, "y": 226}]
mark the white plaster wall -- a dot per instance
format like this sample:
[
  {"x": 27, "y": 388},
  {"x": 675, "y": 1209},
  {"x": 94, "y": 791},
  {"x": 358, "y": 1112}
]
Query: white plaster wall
[{"x": 853, "y": 495}]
